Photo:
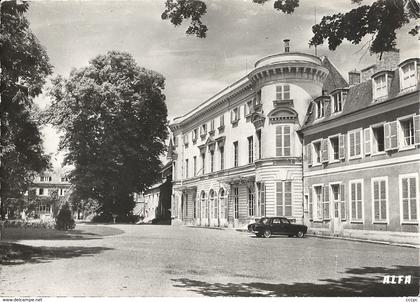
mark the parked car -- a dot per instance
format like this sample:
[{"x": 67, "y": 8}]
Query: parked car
[{"x": 267, "y": 226}]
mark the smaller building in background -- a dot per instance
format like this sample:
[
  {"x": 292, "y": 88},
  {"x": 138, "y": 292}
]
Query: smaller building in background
[
  {"x": 154, "y": 204},
  {"x": 47, "y": 193}
]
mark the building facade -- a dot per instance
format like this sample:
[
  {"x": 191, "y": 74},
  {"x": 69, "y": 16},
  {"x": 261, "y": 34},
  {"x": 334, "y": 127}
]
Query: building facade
[
  {"x": 361, "y": 171},
  {"x": 154, "y": 204},
  {"x": 294, "y": 139},
  {"x": 238, "y": 156}
]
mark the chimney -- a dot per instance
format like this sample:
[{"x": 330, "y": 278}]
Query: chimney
[
  {"x": 286, "y": 45},
  {"x": 354, "y": 77},
  {"x": 389, "y": 61}
]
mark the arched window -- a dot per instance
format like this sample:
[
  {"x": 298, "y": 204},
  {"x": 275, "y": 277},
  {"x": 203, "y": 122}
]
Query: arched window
[
  {"x": 203, "y": 204},
  {"x": 223, "y": 204},
  {"x": 213, "y": 204}
]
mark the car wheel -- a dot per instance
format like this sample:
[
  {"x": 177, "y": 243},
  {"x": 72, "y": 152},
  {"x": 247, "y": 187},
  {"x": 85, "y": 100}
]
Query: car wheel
[
  {"x": 267, "y": 233},
  {"x": 300, "y": 234}
]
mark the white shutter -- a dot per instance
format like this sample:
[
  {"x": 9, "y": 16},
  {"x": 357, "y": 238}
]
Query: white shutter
[
  {"x": 393, "y": 126},
  {"x": 367, "y": 139},
  {"x": 416, "y": 129},
  {"x": 387, "y": 136}
]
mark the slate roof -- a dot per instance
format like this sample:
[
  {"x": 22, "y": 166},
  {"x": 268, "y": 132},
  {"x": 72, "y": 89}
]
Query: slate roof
[
  {"x": 334, "y": 79},
  {"x": 358, "y": 97}
]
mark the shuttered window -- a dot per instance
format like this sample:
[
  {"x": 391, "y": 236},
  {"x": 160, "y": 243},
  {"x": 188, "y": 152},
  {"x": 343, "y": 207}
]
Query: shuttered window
[
  {"x": 416, "y": 129},
  {"x": 324, "y": 146},
  {"x": 366, "y": 136},
  {"x": 284, "y": 198},
  {"x": 356, "y": 201},
  {"x": 283, "y": 140},
  {"x": 318, "y": 197},
  {"x": 379, "y": 197},
  {"x": 355, "y": 148},
  {"x": 408, "y": 187},
  {"x": 391, "y": 135},
  {"x": 326, "y": 204},
  {"x": 407, "y": 131}
]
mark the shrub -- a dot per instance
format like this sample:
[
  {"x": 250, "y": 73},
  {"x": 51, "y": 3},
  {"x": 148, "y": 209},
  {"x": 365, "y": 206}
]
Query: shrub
[{"x": 64, "y": 220}]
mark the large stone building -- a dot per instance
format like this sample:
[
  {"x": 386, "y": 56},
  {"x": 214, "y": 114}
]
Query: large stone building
[
  {"x": 238, "y": 155},
  {"x": 294, "y": 139}
]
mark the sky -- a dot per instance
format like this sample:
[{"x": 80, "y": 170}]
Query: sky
[{"x": 239, "y": 33}]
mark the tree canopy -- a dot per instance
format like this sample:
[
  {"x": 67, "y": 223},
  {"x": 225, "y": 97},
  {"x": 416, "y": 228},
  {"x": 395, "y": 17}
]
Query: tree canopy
[
  {"x": 25, "y": 66},
  {"x": 112, "y": 115},
  {"x": 380, "y": 20}
]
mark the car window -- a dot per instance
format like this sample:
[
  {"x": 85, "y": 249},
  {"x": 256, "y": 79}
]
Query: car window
[
  {"x": 265, "y": 220},
  {"x": 276, "y": 220},
  {"x": 284, "y": 220}
]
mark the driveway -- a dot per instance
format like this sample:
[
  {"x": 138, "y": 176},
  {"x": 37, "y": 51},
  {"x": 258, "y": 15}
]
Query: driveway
[{"x": 158, "y": 260}]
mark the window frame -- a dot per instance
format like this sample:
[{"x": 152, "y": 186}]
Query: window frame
[
  {"x": 331, "y": 158},
  {"x": 315, "y": 216},
  {"x": 384, "y": 87},
  {"x": 313, "y": 153},
  {"x": 400, "y": 178},
  {"x": 372, "y": 181},
  {"x": 319, "y": 104},
  {"x": 341, "y": 96},
  {"x": 349, "y": 133},
  {"x": 401, "y": 135},
  {"x": 250, "y": 140},
  {"x": 403, "y": 86},
  {"x": 235, "y": 154},
  {"x": 281, "y": 94},
  {"x": 283, "y": 147},
  {"x": 356, "y": 220},
  {"x": 283, "y": 192},
  {"x": 373, "y": 142}
]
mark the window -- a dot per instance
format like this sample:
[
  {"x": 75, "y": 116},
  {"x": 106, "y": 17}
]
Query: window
[
  {"x": 261, "y": 197},
  {"x": 408, "y": 76},
  {"x": 248, "y": 108},
  {"x": 250, "y": 149},
  {"x": 213, "y": 205},
  {"x": 318, "y": 192},
  {"x": 41, "y": 191},
  {"x": 174, "y": 170},
  {"x": 61, "y": 192},
  {"x": 222, "y": 121},
  {"x": 186, "y": 168},
  {"x": 334, "y": 145},
  {"x": 185, "y": 139},
  {"x": 251, "y": 201},
  {"x": 407, "y": 131},
  {"x": 283, "y": 139},
  {"x": 203, "y": 162},
  {"x": 319, "y": 105},
  {"x": 355, "y": 147},
  {"x": 258, "y": 97},
  {"x": 211, "y": 161},
  {"x": 64, "y": 179},
  {"x": 195, "y": 165},
  {"x": 356, "y": 201},
  {"x": 45, "y": 178},
  {"x": 380, "y": 86},
  {"x": 408, "y": 197},
  {"x": 195, "y": 208},
  {"x": 203, "y": 130},
  {"x": 234, "y": 115},
  {"x": 222, "y": 158},
  {"x": 259, "y": 144},
  {"x": 44, "y": 208},
  {"x": 316, "y": 159},
  {"x": 185, "y": 214},
  {"x": 378, "y": 139},
  {"x": 379, "y": 199},
  {"x": 236, "y": 202},
  {"x": 235, "y": 154},
  {"x": 223, "y": 204},
  {"x": 338, "y": 101},
  {"x": 282, "y": 92},
  {"x": 391, "y": 136},
  {"x": 212, "y": 125},
  {"x": 337, "y": 200},
  {"x": 175, "y": 141},
  {"x": 204, "y": 205},
  {"x": 194, "y": 135},
  {"x": 284, "y": 198}
]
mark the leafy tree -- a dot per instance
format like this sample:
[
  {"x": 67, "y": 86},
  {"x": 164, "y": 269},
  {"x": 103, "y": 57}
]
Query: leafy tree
[
  {"x": 24, "y": 66},
  {"x": 112, "y": 114},
  {"x": 381, "y": 20}
]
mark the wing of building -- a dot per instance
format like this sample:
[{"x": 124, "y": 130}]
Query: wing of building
[{"x": 294, "y": 139}]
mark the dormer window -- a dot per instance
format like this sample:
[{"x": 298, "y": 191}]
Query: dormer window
[
  {"x": 381, "y": 83},
  {"x": 408, "y": 78},
  {"x": 319, "y": 107},
  {"x": 380, "y": 89},
  {"x": 282, "y": 92},
  {"x": 338, "y": 99}
]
